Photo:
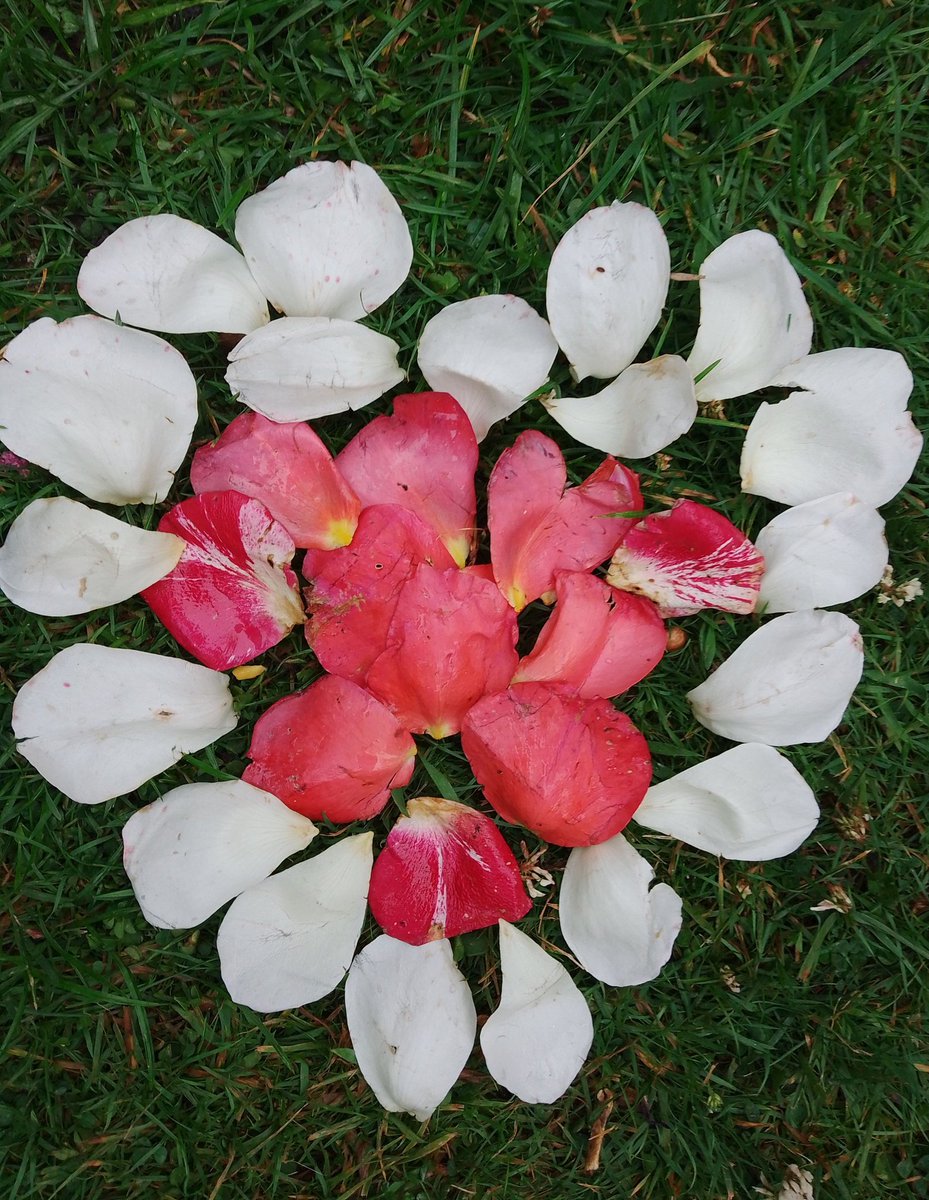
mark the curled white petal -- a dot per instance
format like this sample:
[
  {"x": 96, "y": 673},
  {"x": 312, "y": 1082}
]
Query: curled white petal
[
  {"x": 300, "y": 368},
  {"x": 649, "y": 406},
  {"x": 607, "y": 284},
  {"x": 790, "y": 682},
  {"x": 621, "y": 929},
  {"x": 749, "y": 803},
  {"x": 61, "y": 558},
  {"x": 820, "y": 553},
  {"x": 490, "y": 353},
  {"x": 326, "y": 240},
  {"x": 412, "y": 1022},
  {"x": 203, "y": 844},
  {"x": 754, "y": 318},
  {"x": 108, "y": 409},
  {"x": 97, "y": 722},
  {"x": 289, "y": 940},
  {"x": 854, "y": 373},
  {"x": 536, "y": 1041},
  {"x": 172, "y": 275}
]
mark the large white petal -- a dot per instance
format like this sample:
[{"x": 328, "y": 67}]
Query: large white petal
[
  {"x": 288, "y": 941},
  {"x": 300, "y": 368},
  {"x": 326, "y": 240},
  {"x": 109, "y": 410},
  {"x": 61, "y": 558},
  {"x": 538, "y": 1038},
  {"x": 790, "y": 682},
  {"x": 97, "y": 722},
  {"x": 607, "y": 284},
  {"x": 749, "y": 803},
  {"x": 754, "y": 318},
  {"x": 823, "y": 552},
  {"x": 172, "y": 275},
  {"x": 859, "y": 374},
  {"x": 812, "y": 444},
  {"x": 490, "y": 353},
  {"x": 412, "y": 1022},
  {"x": 203, "y": 844},
  {"x": 621, "y": 929},
  {"x": 648, "y": 407}
]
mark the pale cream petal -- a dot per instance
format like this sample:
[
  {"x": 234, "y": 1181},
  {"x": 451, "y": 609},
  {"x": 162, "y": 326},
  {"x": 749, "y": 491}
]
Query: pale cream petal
[{"x": 859, "y": 374}]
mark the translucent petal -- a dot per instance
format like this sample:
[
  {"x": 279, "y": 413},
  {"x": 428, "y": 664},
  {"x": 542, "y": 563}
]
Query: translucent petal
[{"x": 854, "y": 373}]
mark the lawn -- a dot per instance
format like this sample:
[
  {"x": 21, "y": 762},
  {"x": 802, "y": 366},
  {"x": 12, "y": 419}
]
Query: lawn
[{"x": 788, "y": 1029}]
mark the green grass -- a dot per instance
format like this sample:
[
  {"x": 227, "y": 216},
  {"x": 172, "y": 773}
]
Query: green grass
[{"x": 127, "y": 1071}]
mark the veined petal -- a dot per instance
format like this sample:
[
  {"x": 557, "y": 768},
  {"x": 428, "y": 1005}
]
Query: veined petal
[
  {"x": 754, "y": 318},
  {"x": 203, "y": 844},
  {"x": 649, "y": 406},
  {"x": 536, "y": 1041},
  {"x": 621, "y": 929},
  {"x": 61, "y": 558},
  {"x": 823, "y": 552},
  {"x": 173, "y": 276},
  {"x": 490, "y": 353},
  {"x": 289, "y": 940},
  {"x": 412, "y": 1022},
  {"x": 749, "y": 803},
  {"x": 98, "y": 722},
  {"x": 326, "y": 240},
  {"x": 858, "y": 374},
  {"x": 300, "y": 368},
  {"x": 790, "y": 682},
  {"x": 607, "y": 284},
  {"x": 107, "y": 409}
]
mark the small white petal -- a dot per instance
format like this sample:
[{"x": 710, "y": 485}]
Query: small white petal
[
  {"x": 607, "y": 284},
  {"x": 61, "y": 558},
  {"x": 203, "y": 844},
  {"x": 538, "y": 1038},
  {"x": 98, "y": 722},
  {"x": 754, "y": 318},
  {"x": 858, "y": 374},
  {"x": 412, "y": 1022},
  {"x": 490, "y": 353},
  {"x": 300, "y": 368},
  {"x": 749, "y": 803},
  {"x": 790, "y": 682},
  {"x": 823, "y": 552},
  {"x": 326, "y": 240},
  {"x": 173, "y": 276},
  {"x": 649, "y": 406},
  {"x": 813, "y": 444},
  {"x": 109, "y": 410},
  {"x": 289, "y": 940},
  {"x": 621, "y": 930}
]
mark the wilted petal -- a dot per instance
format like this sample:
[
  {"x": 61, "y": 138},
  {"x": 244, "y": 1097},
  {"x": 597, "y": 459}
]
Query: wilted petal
[
  {"x": 820, "y": 553},
  {"x": 231, "y": 595},
  {"x": 332, "y": 751},
  {"x": 790, "y": 682},
  {"x": 412, "y": 1022},
  {"x": 174, "y": 276},
  {"x": 490, "y": 353},
  {"x": 536, "y": 1041},
  {"x": 749, "y": 803},
  {"x": 649, "y": 406},
  {"x": 98, "y": 722},
  {"x": 422, "y": 458},
  {"x": 289, "y": 940},
  {"x": 299, "y": 368},
  {"x": 688, "y": 558},
  {"x": 61, "y": 558},
  {"x": 754, "y": 318},
  {"x": 621, "y": 929},
  {"x": 607, "y": 284},
  {"x": 287, "y": 468},
  {"x": 326, "y": 240},
  {"x": 571, "y": 770},
  {"x": 107, "y": 409},
  {"x": 203, "y": 844},
  {"x": 858, "y": 374}
]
